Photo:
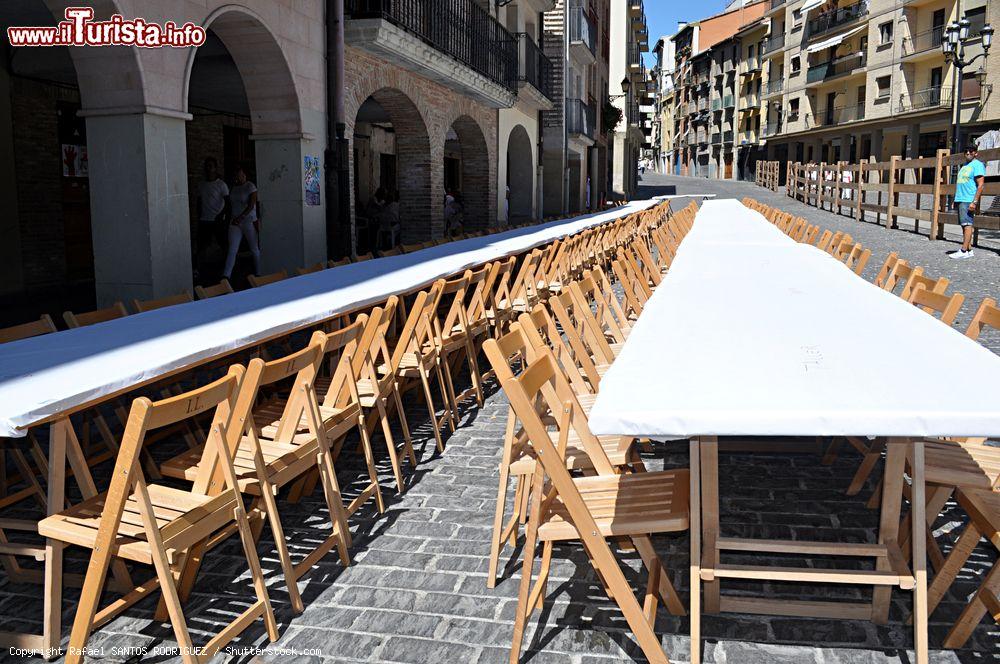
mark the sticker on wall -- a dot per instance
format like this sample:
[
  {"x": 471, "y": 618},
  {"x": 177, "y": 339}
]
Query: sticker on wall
[
  {"x": 74, "y": 161},
  {"x": 311, "y": 179}
]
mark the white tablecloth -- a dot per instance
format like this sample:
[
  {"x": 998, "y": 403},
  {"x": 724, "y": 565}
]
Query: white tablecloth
[
  {"x": 56, "y": 373},
  {"x": 780, "y": 339}
]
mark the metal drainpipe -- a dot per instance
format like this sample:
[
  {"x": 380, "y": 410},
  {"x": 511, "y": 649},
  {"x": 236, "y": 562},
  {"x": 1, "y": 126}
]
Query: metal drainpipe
[
  {"x": 565, "y": 131},
  {"x": 337, "y": 145}
]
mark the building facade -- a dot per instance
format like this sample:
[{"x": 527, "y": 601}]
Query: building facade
[
  {"x": 627, "y": 87},
  {"x": 853, "y": 80},
  {"x": 663, "y": 119}
]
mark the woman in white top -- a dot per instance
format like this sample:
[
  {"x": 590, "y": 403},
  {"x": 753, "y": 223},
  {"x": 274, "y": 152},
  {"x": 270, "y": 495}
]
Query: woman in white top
[{"x": 243, "y": 197}]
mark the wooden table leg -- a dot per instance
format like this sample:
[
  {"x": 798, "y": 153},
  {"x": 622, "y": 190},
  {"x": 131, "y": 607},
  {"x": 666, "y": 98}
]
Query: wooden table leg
[
  {"x": 695, "y": 535},
  {"x": 892, "y": 498},
  {"x": 710, "y": 514},
  {"x": 917, "y": 507},
  {"x": 52, "y": 618}
]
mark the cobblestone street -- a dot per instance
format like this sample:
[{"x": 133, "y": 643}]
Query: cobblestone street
[{"x": 416, "y": 589}]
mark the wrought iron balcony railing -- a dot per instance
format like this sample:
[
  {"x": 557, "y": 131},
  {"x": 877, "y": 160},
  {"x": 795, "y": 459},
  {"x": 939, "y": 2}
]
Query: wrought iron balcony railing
[
  {"x": 923, "y": 41},
  {"x": 827, "y": 117},
  {"x": 836, "y": 18},
  {"x": 459, "y": 28},
  {"x": 775, "y": 43},
  {"x": 582, "y": 28},
  {"x": 536, "y": 68},
  {"x": 928, "y": 98},
  {"x": 581, "y": 118},
  {"x": 825, "y": 71},
  {"x": 774, "y": 86}
]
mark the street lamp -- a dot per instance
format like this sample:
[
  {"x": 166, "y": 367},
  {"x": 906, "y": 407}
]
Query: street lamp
[
  {"x": 953, "y": 47},
  {"x": 626, "y": 86}
]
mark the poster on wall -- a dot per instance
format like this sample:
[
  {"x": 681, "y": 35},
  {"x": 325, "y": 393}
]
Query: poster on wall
[
  {"x": 74, "y": 161},
  {"x": 311, "y": 179}
]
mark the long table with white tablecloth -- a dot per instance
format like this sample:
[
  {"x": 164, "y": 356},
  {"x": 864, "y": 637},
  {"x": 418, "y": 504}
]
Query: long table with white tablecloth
[{"x": 753, "y": 334}]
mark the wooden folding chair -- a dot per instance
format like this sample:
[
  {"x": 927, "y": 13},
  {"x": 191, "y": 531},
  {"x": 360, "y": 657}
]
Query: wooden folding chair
[
  {"x": 286, "y": 438},
  {"x": 158, "y": 525},
  {"x": 987, "y": 315},
  {"x": 35, "y": 328},
  {"x": 983, "y": 508},
  {"x": 901, "y": 272},
  {"x": 858, "y": 258},
  {"x": 939, "y": 285},
  {"x": 590, "y": 509},
  {"x": 518, "y": 348},
  {"x": 74, "y": 320},
  {"x": 316, "y": 267},
  {"x": 346, "y": 260},
  {"x": 810, "y": 236},
  {"x": 459, "y": 330},
  {"x": 221, "y": 288},
  {"x": 265, "y": 279},
  {"x": 946, "y": 306},
  {"x": 824, "y": 240},
  {"x": 360, "y": 258},
  {"x": 410, "y": 248},
  {"x": 168, "y": 301},
  {"x": 498, "y": 301}
]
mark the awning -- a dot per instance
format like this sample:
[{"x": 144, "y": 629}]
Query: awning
[
  {"x": 834, "y": 41},
  {"x": 810, "y": 4}
]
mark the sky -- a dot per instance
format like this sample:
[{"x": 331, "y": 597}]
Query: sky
[{"x": 662, "y": 17}]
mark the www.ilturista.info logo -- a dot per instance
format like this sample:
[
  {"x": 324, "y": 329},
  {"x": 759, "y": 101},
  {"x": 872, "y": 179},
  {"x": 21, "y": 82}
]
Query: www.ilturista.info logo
[{"x": 80, "y": 29}]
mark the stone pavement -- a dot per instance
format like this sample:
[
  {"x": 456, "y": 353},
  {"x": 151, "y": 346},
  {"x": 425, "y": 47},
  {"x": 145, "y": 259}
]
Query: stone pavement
[{"x": 416, "y": 591}]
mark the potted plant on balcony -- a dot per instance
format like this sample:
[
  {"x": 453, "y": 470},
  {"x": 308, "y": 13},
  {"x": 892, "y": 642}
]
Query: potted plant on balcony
[{"x": 611, "y": 115}]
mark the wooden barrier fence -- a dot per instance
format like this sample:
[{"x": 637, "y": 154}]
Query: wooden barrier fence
[
  {"x": 768, "y": 174},
  {"x": 873, "y": 188}
]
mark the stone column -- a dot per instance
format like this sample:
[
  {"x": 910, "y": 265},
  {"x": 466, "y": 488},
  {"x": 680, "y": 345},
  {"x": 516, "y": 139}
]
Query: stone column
[
  {"x": 293, "y": 229},
  {"x": 140, "y": 215}
]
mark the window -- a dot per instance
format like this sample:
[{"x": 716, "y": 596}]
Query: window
[
  {"x": 885, "y": 33},
  {"x": 797, "y": 15},
  {"x": 863, "y": 44},
  {"x": 971, "y": 88},
  {"x": 977, "y": 19},
  {"x": 883, "y": 83},
  {"x": 796, "y": 64},
  {"x": 793, "y": 109}
]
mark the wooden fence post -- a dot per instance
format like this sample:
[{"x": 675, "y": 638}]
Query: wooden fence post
[
  {"x": 936, "y": 200},
  {"x": 839, "y": 176},
  {"x": 821, "y": 180},
  {"x": 890, "y": 213},
  {"x": 789, "y": 178},
  {"x": 861, "y": 192}
]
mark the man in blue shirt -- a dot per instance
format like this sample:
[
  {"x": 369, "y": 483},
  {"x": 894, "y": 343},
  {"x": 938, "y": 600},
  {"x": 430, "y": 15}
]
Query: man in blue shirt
[{"x": 968, "y": 191}]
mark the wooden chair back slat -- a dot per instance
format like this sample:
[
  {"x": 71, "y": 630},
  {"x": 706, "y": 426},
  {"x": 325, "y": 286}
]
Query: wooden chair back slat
[
  {"x": 116, "y": 310},
  {"x": 987, "y": 315},
  {"x": 221, "y": 288},
  {"x": 168, "y": 301},
  {"x": 36, "y": 328}
]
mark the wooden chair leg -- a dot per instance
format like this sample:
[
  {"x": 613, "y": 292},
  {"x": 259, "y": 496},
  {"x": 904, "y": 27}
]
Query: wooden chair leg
[
  {"x": 335, "y": 505},
  {"x": 407, "y": 439},
  {"x": 390, "y": 444},
  {"x": 831, "y": 451},
  {"x": 274, "y": 520},
  {"x": 650, "y": 600},
  {"x": 953, "y": 564},
  {"x": 260, "y": 587},
  {"x": 366, "y": 444},
  {"x": 477, "y": 381},
  {"x": 24, "y": 469},
  {"x": 522, "y": 610},
  {"x": 449, "y": 414},
  {"x": 500, "y": 510},
  {"x": 866, "y": 467},
  {"x": 664, "y": 587},
  {"x": 425, "y": 383},
  {"x": 444, "y": 368},
  {"x": 537, "y": 597},
  {"x": 984, "y": 600}
]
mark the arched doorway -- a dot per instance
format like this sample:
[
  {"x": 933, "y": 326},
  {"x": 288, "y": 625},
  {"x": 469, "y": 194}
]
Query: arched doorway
[
  {"x": 47, "y": 258},
  {"x": 520, "y": 176},
  {"x": 467, "y": 171},
  {"x": 245, "y": 113},
  {"x": 391, "y": 181}
]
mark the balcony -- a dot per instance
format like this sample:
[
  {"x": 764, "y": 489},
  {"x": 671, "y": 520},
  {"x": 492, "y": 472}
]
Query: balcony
[
  {"x": 771, "y": 129},
  {"x": 774, "y": 86},
  {"x": 635, "y": 8},
  {"x": 582, "y": 36},
  {"x": 832, "y": 69},
  {"x": 777, "y": 4},
  {"x": 728, "y": 101},
  {"x": 928, "y": 42},
  {"x": 774, "y": 45},
  {"x": 460, "y": 31},
  {"x": 703, "y": 104},
  {"x": 829, "y": 117},
  {"x": 837, "y": 18},
  {"x": 536, "y": 70},
  {"x": 717, "y": 104},
  {"x": 634, "y": 58},
  {"x": 752, "y": 67},
  {"x": 924, "y": 100},
  {"x": 749, "y": 103},
  {"x": 717, "y": 138},
  {"x": 727, "y": 136},
  {"x": 581, "y": 118}
]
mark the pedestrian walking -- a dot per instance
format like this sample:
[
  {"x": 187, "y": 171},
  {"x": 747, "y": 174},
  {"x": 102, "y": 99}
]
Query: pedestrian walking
[
  {"x": 212, "y": 203},
  {"x": 968, "y": 192},
  {"x": 243, "y": 197}
]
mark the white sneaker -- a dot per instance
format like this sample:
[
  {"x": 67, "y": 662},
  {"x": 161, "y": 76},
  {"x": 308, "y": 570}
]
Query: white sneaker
[{"x": 961, "y": 254}]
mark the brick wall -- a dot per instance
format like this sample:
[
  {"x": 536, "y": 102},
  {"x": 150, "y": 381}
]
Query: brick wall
[
  {"x": 38, "y": 166},
  {"x": 422, "y": 111}
]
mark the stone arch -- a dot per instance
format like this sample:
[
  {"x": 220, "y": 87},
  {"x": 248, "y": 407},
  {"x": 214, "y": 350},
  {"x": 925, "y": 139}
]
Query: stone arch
[
  {"x": 109, "y": 77},
  {"x": 413, "y": 161},
  {"x": 475, "y": 187},
  {"x": 520, "y": 175},
  {"x": 267, "y": 78}
]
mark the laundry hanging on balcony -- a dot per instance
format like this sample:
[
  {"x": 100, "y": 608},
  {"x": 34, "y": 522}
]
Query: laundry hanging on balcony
[{"x": 834, "y": 41}]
